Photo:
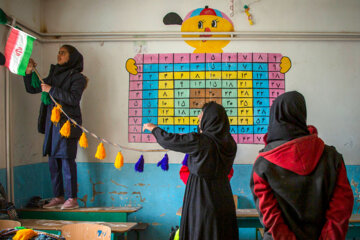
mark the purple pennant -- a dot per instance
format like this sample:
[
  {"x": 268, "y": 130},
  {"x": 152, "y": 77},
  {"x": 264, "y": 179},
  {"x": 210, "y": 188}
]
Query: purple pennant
[
  {"x": 139, "y": 166},
  {"x": 164, "y": 163},
  {"x": 184, "y": 162}
]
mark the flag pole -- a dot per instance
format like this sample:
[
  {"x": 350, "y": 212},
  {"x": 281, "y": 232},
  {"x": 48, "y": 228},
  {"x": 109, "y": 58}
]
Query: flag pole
[{"x": 9, "y": 163}]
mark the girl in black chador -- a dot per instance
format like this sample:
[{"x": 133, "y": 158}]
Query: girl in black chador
[{"x": 208, "y": 211}]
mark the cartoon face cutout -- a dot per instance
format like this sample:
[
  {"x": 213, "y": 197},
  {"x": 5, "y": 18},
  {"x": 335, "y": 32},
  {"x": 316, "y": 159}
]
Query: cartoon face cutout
[{"x": 207, "y": 20}]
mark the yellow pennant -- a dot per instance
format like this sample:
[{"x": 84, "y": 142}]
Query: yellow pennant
[
  {"x": 65, "y": 129},
  {"x": 55, "y": 114},
  {"x": 119, "y": 161},
  {"x": 83, "y": 142},
  {"x": 100, "y": 153}
]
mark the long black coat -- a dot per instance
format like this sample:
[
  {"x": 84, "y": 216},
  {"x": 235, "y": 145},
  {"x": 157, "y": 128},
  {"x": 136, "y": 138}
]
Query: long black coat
[
  {"x": 208, "y": 211},
  {"x": 66, "y": 88}
]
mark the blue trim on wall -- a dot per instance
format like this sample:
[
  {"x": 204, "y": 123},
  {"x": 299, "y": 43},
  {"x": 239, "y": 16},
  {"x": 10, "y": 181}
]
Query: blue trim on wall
[{"x": 159, "y": 193}]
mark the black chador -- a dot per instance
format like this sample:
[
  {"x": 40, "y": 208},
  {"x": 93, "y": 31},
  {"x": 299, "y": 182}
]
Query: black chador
[{"x": 208, "y": 211}]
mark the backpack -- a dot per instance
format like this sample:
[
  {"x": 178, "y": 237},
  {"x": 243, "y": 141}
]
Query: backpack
[{"x": 8, "y": 206}]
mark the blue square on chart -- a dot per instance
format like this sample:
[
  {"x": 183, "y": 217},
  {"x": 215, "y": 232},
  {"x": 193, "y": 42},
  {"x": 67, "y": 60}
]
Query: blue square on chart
[
  {"x": 150, "y": 103},
  {"x": 150, "y": 94},
  {"x": 260, "y": 75},
  {"x": 150, "y": 112},
  {"x": 181, "y": 67},
  {"x": 213, "y": 66},
  {"x": 261, "y": 67},
  {"x": 261, "y": 120},
  {"x": 165, "y": 67},
  {"x": 246, "y": 129},
  {"x": 151, "y": 68},
  {"x": 182, "y": 129},
  {"x": 244, "y": 66},
  {"x": 261, "y": 102},
  {"x": 151, "y": 76},
  {"x": 149, "y": 120},
  {"x": 194, "y": 67},
  {"x": 260, "y": 129},
  {"x": 168, "y": 128},
  {"x": 229, "y": 66}
]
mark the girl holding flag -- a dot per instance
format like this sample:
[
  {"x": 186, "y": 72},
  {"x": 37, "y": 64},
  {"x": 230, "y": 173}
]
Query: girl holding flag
[{"x": 65, "y": 84}]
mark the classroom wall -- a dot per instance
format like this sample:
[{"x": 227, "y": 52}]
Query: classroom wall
[{"x": 326, "y": 72}]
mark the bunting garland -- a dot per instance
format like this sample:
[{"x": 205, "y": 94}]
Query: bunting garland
[{"x": 100, "y": 154}]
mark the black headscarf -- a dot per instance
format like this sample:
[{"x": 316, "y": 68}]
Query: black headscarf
[
  {"x": 76, "y": 61},
  {"x": 287, "y": 117},
  {"x": 215, "y": 124}
]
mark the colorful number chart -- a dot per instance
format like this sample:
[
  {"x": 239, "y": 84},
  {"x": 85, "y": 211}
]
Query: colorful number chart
[{"x": 170, "y": 89}]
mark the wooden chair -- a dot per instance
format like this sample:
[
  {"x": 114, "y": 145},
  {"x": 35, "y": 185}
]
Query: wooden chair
[
  {"x": 235, "y": 201},
  {"x": 9, "y": 224},
  {"x": 86, "y": 231}
]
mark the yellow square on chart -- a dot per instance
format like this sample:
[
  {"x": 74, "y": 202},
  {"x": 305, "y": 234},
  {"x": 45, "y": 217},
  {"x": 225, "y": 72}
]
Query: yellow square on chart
[
  {"x": 245, "y": 93},
  {"x": 181, "y": 120},
  {"x": 213, "y": 75},
  {"x": 181, "y": 75},
  {"x": 166, "y": 93},
  {"x": 233, "y": 120},
  {"x": 194, "y": 121},
  {"x": 244, "y": 75},
  {"x": 166, "y": 75},
  {"x": 245, "y": 84},
  {"x": 245, "y": 112},
  {"x": 229, "y": 75},
  {"x": 197, "y": 75},
  {"x": 166, "y": 112},
  {"x": 166, "y": 84},
  {"x": 166, "y": 103},
  {"x": 165, "y": 120},
  {"x": 245, "y": 102},
  {"x": 245, "y": 121}
]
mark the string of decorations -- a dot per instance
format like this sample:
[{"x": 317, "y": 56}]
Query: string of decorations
[
  {"x": 247, "y": 9},
  {"x": 100, "y": 154}
]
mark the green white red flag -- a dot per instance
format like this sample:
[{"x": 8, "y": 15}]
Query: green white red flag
[{"x": 18, "y": 51}]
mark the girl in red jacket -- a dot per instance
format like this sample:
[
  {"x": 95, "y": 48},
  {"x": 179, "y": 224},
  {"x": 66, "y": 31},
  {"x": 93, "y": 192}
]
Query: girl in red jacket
[{"x": 299, "y": 184}]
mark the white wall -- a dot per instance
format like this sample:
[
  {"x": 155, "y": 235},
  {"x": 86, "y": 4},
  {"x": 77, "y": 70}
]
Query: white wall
[{"x": 325, "y": 72}]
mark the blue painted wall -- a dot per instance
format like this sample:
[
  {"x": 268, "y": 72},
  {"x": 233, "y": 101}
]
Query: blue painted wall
[
  {"x": 3, "y": 177},
  {"x": 159, "y": 193}
]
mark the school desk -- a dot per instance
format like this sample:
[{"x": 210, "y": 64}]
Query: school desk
[
  {"x": 249, "y": 218},
  {"x": 117, "y": 228},
  {"x": 105, "y": 214}
]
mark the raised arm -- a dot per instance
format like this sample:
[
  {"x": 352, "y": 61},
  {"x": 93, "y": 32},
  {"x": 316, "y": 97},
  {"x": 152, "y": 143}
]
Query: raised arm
[{"x": 185, "y": 143}]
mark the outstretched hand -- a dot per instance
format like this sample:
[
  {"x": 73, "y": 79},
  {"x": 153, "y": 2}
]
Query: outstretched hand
[{"x": 149, "y": 126}]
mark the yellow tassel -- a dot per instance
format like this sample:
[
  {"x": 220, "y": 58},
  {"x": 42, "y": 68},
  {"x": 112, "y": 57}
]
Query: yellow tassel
[
  {"x": 65, "y": 129},
  {"x": 100, "y": 153},
  {"x": 24, "y": 234},
  {"x": 83, "y": 142},
  {"x": 55, "y": 114},
  {"x": 119, "y": 161}
]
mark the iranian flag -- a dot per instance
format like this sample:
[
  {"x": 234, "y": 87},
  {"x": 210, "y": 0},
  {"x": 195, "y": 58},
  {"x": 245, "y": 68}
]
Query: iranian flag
[{"x": 18, "y": 51}]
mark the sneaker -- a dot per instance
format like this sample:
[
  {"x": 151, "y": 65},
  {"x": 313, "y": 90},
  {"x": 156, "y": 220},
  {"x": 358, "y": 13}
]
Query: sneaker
[
  {"x": 55, "y": 202},
  {"x": 71, "y": 203}
]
